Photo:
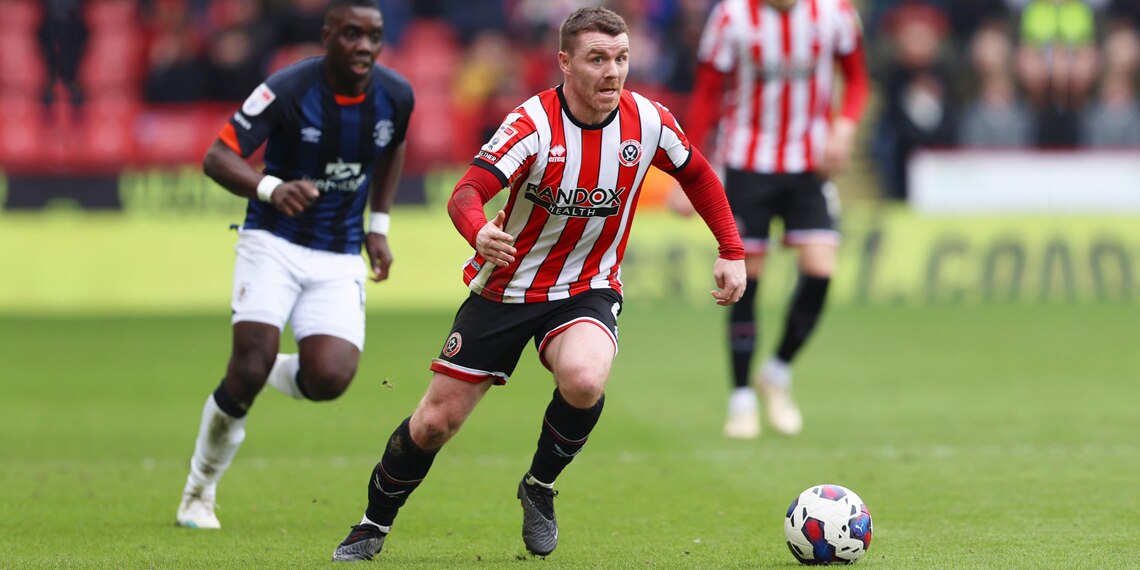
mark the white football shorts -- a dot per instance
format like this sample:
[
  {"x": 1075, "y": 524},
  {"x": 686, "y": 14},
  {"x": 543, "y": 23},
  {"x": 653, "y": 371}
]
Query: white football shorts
[{"x": 318, "y": 292}]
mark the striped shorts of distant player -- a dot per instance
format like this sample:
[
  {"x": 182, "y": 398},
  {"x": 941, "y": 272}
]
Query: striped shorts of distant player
[
  {"x": 318, "y": 292},
  {"x": 807, "y": 203},
  {"x": 488, "y": 337}
]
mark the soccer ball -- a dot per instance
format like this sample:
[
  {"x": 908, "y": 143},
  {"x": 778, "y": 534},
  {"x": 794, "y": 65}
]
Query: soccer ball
[{"x": 828, "y": 524}]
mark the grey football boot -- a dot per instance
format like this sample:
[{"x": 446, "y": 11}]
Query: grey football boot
[
  {"x": 362, "y": 543},
  {"x": 540, "y": 529}
]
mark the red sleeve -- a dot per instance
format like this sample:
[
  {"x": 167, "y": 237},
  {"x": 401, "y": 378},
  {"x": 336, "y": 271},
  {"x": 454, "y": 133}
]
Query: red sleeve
[
  {"x": 477, "y": 186},
  {"x": 858, "y": 84},
  {"x": 704, "y": 106},
  {"x": 701, "y": 185}
]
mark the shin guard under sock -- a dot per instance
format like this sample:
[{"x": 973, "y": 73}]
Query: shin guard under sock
[
  {"x": 742, "y": 334},
  {"x": 565, "y": 430},
  {"x": 401, "y": 469},
  {"x": 807, "y": 305}
]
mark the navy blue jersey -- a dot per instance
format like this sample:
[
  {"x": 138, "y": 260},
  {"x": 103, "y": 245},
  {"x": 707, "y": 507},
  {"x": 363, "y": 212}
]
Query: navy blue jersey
[{"x": 331, "y": 140}]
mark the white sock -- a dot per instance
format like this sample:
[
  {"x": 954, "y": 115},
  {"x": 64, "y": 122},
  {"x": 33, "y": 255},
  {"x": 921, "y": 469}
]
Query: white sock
[
  {"x": 283, "y": 375},
  {"x": 219, "y": 437},
  {"x": 530, "y": 480},
  {"x": 742, "y": 400},
  {"x": 776, "y": 373},
  {"x": 383, "y": 529}
]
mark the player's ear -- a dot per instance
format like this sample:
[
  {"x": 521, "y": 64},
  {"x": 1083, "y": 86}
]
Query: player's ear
[
  {"x": 326, "y": 32},
  {"x": 564, "y": 61}
]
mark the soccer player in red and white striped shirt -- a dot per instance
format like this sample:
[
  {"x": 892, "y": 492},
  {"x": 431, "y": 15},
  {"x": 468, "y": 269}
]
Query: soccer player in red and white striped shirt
[
  {"x": 547, "y": 268},
  {"x": 764, "y": 82}
]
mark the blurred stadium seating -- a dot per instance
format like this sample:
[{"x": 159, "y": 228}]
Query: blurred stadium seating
[{"x": 139, "y": 93}]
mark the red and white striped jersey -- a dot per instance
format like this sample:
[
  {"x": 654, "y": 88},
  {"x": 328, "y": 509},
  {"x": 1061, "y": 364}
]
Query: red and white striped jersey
[
  {"x": 778, "y": 110},
  {"x": 573, "y": 192}
]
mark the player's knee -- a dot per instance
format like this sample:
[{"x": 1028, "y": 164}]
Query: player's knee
[
  {"x": 434, "y": 427},
  {"x": 582, "y": 387},
  {"x": 327, "y": 380}
]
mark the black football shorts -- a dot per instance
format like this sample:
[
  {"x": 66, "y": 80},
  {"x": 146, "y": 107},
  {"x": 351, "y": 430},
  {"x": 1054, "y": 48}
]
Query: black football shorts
[
  {"x": 807, "y": 204},
  {"x": 488, "y": 337}
]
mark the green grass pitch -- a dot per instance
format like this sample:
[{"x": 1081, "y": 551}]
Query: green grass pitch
[{"x": 980, "y": 436}]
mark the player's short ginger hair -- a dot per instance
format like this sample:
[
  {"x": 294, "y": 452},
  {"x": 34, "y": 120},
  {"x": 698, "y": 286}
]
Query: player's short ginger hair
[{"x": 593, "y": 19}]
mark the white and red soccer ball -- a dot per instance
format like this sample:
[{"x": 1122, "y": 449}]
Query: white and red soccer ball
[{"x": 828, "y": 524}]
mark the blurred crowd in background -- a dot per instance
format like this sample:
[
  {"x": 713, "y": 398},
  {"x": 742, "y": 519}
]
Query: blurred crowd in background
[{"x": 93, "y": 85}]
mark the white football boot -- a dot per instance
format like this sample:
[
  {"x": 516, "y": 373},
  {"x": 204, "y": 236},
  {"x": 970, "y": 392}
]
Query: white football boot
[
  {"x": 743, "y": 417},
  {"x": 775, "y": 387},
  {"x": 197, "y": 511}
]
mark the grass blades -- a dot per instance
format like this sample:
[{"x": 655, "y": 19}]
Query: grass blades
[{"x": 980, "y": 436}]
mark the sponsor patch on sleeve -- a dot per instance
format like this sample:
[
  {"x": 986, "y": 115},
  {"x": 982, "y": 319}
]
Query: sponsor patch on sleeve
[
  {"x": 505, "y": 133},
  {"x": 258, "y": 101}
]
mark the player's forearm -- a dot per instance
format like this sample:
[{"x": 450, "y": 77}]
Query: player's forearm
[
  {"x": 466, "y": 204},
  {"x": 231, "y": 171},
  {"x": 705, "y": 192},
  {"x": 386, "y": 179}
]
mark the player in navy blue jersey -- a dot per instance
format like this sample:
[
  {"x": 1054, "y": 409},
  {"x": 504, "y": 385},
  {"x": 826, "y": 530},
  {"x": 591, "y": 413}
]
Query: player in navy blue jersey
[{"x": 334, "y": 129}]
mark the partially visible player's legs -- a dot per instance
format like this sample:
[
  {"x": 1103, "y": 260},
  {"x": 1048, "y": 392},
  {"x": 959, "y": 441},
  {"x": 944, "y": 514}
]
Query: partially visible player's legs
[
  {"x": 265, "y": 290},
  {"x": 580, "y": 358},
  {"x": 283, "y": 375},
  {"x": 754, "y": 198},
  {"x": 407, "y": 458},
  {"x": 816, "y": 262},
  {"x": 328, "y": 322},
  {"x": 743, "y": 334},
  {"x": 222, "y": 427},
  {"x": 321, "y": 370}
]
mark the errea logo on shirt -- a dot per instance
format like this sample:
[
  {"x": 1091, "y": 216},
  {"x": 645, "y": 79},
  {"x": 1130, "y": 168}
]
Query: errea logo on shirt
[{"x": 557, "y": 154}]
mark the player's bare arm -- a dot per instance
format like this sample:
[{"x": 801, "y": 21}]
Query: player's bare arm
[
  {"x": 385, "y": 180},
  {"x": 233, "y": 173},
  {"x": 837, "y": 152}
]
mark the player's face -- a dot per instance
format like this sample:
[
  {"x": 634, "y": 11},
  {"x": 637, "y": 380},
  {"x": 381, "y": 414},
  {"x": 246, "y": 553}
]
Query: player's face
[
  {"x": 352, "y": 38},
  {"x": 595, "y": 70},
  {"x": 782, "y": 5}
]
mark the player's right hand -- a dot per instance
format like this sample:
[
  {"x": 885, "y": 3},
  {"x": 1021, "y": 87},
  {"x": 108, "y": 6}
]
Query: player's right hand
[
  {"x": 494, "y": 244},
  {"x": 292, "y": 197},
  {"x": 730, "y": 279}
]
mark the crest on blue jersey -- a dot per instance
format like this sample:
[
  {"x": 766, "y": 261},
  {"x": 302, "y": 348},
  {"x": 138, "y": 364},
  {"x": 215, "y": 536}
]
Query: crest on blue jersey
[{"x": 382, "y": 134}]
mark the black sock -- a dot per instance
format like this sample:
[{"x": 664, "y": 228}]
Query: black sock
[
  {"x": 742, "y": 333},
  {"x": 228, "y": 403},
  {"x": 401, "y": 469},
  {"x": 565, "y": 430},
  {"x": 807, "y": 304}
]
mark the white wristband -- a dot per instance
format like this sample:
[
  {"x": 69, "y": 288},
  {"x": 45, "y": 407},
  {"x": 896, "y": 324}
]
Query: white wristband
[
  {"x": 266, "y": 187},
  {"x": 379, "y": 223}
]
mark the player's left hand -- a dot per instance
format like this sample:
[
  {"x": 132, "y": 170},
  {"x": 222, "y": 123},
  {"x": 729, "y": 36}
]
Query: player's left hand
[
  {"x": 729, "y": 275},
  {"x": 379, "y": 254},
  {"x": 837, "y": 151}
]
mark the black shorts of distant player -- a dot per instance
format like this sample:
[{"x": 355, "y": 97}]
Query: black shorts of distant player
[
  {"x": 807, "y": 203},
  {"x": 487, "y": 337}
]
